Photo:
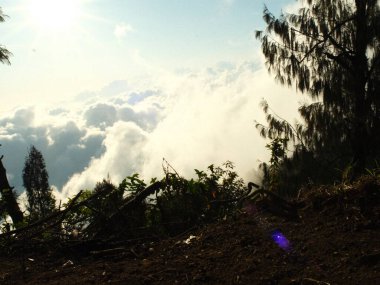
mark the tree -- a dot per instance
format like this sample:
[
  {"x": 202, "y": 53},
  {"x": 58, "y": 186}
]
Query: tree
[
  {"x": 330, "y": 49},
  {"x": 35, "y": 177},
  {"x": 8, "y": 201},
  {"x": 4, "y": 53}
]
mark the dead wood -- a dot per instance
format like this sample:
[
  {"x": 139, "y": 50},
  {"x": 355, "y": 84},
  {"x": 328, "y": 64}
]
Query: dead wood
[
  {"x": 107, "y": 252},
  {"x": 141, "y": 196},
  {"x": 58, "y": 214},
  {"x": 118, "y": 221}
]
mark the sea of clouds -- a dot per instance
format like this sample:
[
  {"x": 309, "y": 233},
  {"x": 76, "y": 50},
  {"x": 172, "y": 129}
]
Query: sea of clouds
[{"x": 190, "y": 118}]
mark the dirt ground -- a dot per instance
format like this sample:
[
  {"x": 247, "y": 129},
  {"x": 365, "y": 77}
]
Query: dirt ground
[{"x": 336, "y": 241}]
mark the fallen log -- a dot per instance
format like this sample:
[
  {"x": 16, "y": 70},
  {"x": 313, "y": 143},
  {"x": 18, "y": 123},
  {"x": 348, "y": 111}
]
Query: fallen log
[
  {"x": 141, "y": 196},
  {"x": 117, "y": 222}
]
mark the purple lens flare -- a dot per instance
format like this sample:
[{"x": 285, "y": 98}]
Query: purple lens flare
[
  {"x": 280, "y": 240},
  {"x": 276, "y": 235}
]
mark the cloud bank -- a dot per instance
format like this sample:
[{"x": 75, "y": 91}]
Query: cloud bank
[{"x": 192, "y": 119}]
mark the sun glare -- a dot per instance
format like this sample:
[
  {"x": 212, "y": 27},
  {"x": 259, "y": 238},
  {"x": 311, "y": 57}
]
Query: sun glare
[{"x": 53, "y": 14}]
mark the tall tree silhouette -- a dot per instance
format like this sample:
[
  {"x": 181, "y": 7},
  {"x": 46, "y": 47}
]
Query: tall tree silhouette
[
  {"x": 8, "y": 201},
  {"x": 35, "y": 178},
  {"x": 4, "y": 53},
  {"x": 330, "y": 50}
]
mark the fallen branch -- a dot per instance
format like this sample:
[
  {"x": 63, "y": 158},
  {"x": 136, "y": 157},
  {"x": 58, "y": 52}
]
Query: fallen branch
[
  {"x": 129, "y": 205},
  {"x": 107, "y": 252},
  {"x": 141, "y": 196},
  {"x": 48, "y": 218}
]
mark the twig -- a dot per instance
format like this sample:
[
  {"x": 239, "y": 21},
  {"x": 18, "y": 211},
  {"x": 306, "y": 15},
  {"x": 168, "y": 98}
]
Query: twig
[
  {"x": 167, "y": 167},
  {"x": 44, "y": 220}
]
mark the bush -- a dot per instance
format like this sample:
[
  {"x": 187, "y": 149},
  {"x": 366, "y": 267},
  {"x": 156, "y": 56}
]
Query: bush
[{"x": 175, "y": 207}]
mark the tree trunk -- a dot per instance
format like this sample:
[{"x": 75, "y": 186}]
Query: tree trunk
[
  {"x": 360, "y": 133},
  {"x": 8, "y": 197}
]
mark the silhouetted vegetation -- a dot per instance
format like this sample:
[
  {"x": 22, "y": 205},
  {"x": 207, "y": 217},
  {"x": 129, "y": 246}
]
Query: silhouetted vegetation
[
  {"x": 4, "y": 53},
  {"x": 35, "y": 178},
  {"x": 173, "y": 205},
  {"x": 329, "y": 50},
  {"x": 8, "y": 201}
]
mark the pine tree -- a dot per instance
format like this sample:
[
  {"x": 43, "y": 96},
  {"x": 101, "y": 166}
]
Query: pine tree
[
  {"x": 35, "y": 177},
  {"x": 8, "y": 201},
  {"x": 330, "y": 50}
]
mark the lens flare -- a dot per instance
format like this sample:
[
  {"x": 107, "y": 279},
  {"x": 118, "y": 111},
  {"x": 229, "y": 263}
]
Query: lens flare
[
  {"x": 280, "y": 240},
  {"x": 265, "y": 225}
]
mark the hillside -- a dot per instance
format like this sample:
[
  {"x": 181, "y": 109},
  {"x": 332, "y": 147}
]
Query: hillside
[{"x": 335, "y": 241}]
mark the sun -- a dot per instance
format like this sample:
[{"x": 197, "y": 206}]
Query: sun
[{"x": 53, "y": 14}]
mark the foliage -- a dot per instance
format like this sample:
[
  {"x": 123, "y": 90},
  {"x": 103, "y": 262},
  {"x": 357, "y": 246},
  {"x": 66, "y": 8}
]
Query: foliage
[
  {"x": 374, "y": 172},
  {"x": 185, "y": 203},
  {"x": 279, "y": 128},
  {"x": 278, "y": 151},
  {"x": 271, "y": 172},
  {"x": 4, "y": 53},
  {"x": 107, "y": 203},
  {"x": 132, "y": 184},
  {"x": 286, "y": 173},
  {"x": 96, "y": 209},
  {"x": 329, "y": 50},
  {"x": 35, "y": 179},
  {"x": 178, "y": 205},
  {"x": 80, "y": 217},
  {"x": 101, "y": 203}
]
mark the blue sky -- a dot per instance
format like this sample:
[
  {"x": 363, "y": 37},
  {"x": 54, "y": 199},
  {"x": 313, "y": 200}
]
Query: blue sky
[
  {"x": 115, "y": 86},
  {"x": 86, "y": 54}
]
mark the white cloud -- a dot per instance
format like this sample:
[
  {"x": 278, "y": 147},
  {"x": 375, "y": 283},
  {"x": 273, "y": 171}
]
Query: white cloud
[
  {"x": 293, "y": 8},
  {"x": 212, "y": 120},
  {"x": 204, "y": 117},
  {"x": 66, "y": 145},
  {"x": 192, "y": 119},
  {"x": 122, "y": 156},
  {"x": 101, "y": 115},
  {"x": 122, "y": 29}
]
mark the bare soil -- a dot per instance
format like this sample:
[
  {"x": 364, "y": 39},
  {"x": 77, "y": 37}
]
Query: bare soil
[{"x": 335, "y": 241}]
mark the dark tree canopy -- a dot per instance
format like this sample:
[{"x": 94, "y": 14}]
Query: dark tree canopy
[
  {"x": 4, "y": 53},
  {"x": 35, "y": 179},
  {"x": 330, "y": 50},
  {"x": 8, "y": 202}
]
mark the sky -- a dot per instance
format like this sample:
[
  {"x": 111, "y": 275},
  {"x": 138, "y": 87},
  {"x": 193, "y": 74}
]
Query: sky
[{"x": 110, "y": 87}]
